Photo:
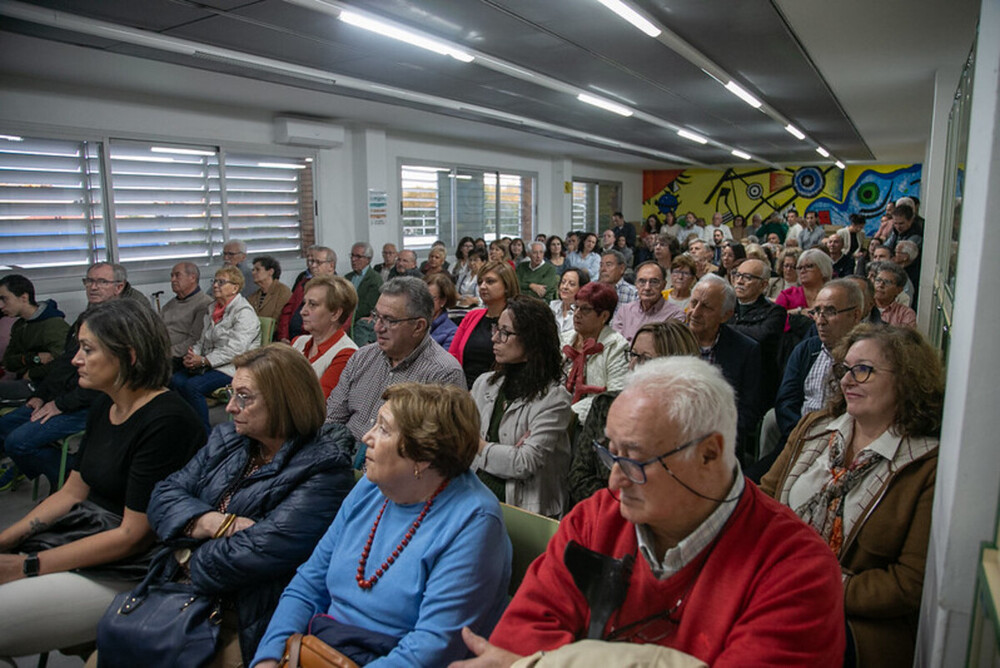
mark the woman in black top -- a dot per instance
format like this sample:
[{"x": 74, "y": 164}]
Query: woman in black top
[
  {"x": 69, "y": 556},
  {"x": 473, "y": 342}
]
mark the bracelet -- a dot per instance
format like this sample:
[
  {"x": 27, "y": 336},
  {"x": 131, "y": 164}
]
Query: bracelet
[{"x": 224, "y": 527}]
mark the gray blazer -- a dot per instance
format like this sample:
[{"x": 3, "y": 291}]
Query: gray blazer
[{"x": 536, "y": 469}]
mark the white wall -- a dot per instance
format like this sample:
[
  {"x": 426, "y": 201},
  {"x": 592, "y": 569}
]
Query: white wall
[{"x": 369, "y": 158}]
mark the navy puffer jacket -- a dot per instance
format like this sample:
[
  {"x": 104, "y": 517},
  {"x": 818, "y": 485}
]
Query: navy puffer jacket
[{"x": 292, "y": 500}]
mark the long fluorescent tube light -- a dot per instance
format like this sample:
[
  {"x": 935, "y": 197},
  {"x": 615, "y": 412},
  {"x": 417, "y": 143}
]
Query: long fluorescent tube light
[
  {"x": 604, "y": 104},
  {"x": 740, "y": 154},
  {"x": 180, "y": 151},
  {"x": 841, "y": 165},
  {"x": 794, "y": 131},
  {"x": 692, "y": 136},
  {"x": 632, "y": 16},
  {"x": 822, "y": 151},
  {"x": 742, "y": 93},
  {"x": 402, "y": 35},
  {"x": 11, "y": 138}
]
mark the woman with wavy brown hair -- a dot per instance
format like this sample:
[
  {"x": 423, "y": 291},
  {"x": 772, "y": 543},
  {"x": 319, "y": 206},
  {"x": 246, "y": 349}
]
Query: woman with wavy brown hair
[{"x": 862, "y": 472}]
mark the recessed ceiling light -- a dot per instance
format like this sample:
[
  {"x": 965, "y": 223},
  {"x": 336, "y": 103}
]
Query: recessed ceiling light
[
  {"x": 822, "y": 151},
  {"x": 403, "y": 35},
  {"x": 794, "y": 131},
  {"x": 743, "y": 94},
  {"x": 632, "y": 16},
  {"x": 604, "y": 104},
  {"x": 692, "y": 136},
  {"x": 740, "y": 154}
]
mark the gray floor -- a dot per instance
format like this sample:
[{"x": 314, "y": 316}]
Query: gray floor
[{"x": 15, "y": 505}]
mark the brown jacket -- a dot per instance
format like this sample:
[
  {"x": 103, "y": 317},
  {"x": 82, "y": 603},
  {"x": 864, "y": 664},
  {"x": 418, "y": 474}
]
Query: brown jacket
[{"x": 884, "y": 556}]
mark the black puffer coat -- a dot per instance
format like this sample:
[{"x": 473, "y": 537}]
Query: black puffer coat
[{"x": 292, "y": 500}]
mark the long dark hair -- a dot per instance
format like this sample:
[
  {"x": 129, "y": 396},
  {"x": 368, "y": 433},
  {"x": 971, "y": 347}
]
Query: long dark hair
[{"x": 536, "y": 328}]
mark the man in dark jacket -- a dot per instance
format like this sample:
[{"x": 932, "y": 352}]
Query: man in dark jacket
[
  {"x": 58, "y": 406},
  {"x": 35, "y": 339},
  {"x": 762, "y": 320}
]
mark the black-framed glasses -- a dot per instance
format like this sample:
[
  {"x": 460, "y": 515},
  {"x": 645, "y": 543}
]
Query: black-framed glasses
[
  {"x": 221, "y": 281},
  {"x": 635, "y": 470},
  {"x": 740, "y": 276},
  {"x": 242, "y": 399},
  {"x": 638, "y": 357},
  {"x": 501, "y": 334},
  {"x": 386, "y": 321},
  {"x": 805, "y": 267},
  {"x": 827, "y": 312},
  {"x": 99, "y": 282},
  {"x": 882, "y": 282},
  {"x": 861, "y": 373}
]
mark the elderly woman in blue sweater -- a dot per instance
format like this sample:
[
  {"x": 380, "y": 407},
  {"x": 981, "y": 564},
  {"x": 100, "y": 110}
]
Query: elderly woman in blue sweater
[
  {"x": 418, "y": 549},
  {"x": 254, "y": 501}
]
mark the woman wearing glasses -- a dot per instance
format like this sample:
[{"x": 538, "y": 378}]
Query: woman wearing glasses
[
  {"x": 814, "y": 269},
  {"x": 593, "y": 353},
  {"x": 861, "y": 472},
  {"x": 252, "y": 504},
  {"x": 473, "y": 342},
  {"x": 662, "y": 339},
  {"x": 524, "y": 446},
  {"x": 66, "y": 560},
  {"x": 231, "y": 328}
]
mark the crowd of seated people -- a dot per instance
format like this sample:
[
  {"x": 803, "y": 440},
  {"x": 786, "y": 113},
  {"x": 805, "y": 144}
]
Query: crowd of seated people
[{"x": 536, "y": 388}]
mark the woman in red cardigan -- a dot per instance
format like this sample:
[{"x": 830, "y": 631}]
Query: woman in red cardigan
[{"x": 473, "y": 343}]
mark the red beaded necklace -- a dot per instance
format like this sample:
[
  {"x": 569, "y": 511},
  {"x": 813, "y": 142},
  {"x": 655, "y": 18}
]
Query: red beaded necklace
[{"x": 380, "y": 571}]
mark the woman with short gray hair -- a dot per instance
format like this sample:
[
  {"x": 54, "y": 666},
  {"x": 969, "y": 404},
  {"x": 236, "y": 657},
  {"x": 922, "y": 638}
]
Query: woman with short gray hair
[{"x": 814, "y": 268}]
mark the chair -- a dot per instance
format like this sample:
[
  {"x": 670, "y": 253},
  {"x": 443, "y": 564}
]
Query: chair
[
  {"x": 267, "y": 326},
  {"x": 529, "y": 536},
  {"x": 65, "y": 444}
]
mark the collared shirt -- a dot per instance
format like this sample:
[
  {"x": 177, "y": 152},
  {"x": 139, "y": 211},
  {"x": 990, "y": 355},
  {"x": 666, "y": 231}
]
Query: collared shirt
[
  {"x": 630, "y": 317},
  {"x": 809, "y": 238},
  {"x": 358, "y": 276},
  {"x": 681, "y": 554},
  {"x": 816, "y": 386},
  {"x": 627, "y": 293},
  {"x": 708, "y": 352},
  {"x": 358, "y": 396}
]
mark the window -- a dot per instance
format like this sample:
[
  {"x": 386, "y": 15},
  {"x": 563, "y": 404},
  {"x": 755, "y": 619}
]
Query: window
[
  {"x": 66, "y": 204},
  {"x": 448, "y": 203},
  {"x": 593, "y": 204}
]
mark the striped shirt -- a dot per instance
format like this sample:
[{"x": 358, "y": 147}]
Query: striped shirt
[{"x": 816, "y": 385}]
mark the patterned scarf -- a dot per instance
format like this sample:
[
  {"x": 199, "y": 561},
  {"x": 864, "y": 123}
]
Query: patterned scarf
[
  {"x": 824, "y": 511},
  {"x": 576, "y": 380}
]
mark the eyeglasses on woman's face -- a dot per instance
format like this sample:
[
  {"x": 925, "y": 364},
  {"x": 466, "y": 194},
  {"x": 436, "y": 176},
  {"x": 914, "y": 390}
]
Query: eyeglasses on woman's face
[
  {"x": 222, "y": 281},
  {"x": 242, "y": 399},
  {"x": 501, "y": 334},
  {"x": 861, "y": 373}
]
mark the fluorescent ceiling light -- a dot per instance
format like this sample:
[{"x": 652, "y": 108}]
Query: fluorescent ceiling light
[
  {"x": 740, "y": 154},
  {"x": 604, "y": 104},
  {"x": 403, "y": 35},
  {"x": 743, "y": 94},
  {"x": 309, "y": 159},
  {"x": 181, "y": 151},
  {"x": 794, "y": 131},
  {"x": 692, "y": 136},
  {"x": 632, "y": 16},
  {"x": 840, "y": 164},
  {"x": 11, "y": 138},
  {"x": 281, "y": 165},
  {"x": 822, "y": 151}
]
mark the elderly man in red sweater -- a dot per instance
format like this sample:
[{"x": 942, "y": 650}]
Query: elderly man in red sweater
[{"x": 681, "y": 551}]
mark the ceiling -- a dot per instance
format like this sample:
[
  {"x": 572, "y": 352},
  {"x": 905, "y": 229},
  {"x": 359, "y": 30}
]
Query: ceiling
[{"x": 857, "y": 77}]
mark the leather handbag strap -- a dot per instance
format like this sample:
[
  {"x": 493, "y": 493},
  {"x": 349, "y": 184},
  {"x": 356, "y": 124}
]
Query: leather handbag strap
[{"x": 293, "y": 645}]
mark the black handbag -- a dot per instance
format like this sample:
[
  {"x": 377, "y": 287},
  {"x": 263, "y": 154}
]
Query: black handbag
[{"x": 159, "y": 624}]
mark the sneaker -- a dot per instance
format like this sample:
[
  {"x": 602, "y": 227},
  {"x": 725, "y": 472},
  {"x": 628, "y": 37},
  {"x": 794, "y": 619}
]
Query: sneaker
[{"x": 11, "y": 478}]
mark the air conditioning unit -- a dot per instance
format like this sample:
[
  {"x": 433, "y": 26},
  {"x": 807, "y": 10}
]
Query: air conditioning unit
[{"x": 314, "y": 134}]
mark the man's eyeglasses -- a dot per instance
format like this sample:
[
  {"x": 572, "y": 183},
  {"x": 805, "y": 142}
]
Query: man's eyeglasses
[
  {"x": 242, "y": 399},
  {"x": 99, "y": 282},
  {"x": 386, "y": 321},
  {"x": 501, "y": 334},
  {"x": 635, "y": 470},
  {"x": 859, "y": 372},
  {"x": 882, "y": 282},
  {"x": 230, "y": 253},
  {"x": 355, "y": 256},
  {"x": 312, "y": 262},
  {"x": 827, "y": 312},
  {"x": 740, "y": 276},
  {"x": 651, "y": 282}
]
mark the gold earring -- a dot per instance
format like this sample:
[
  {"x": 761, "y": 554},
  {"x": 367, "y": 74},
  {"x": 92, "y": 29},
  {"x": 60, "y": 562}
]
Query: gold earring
[{"x": 416, "y": 472}]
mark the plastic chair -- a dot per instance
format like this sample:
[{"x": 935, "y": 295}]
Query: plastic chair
[
  {"x": 64, "y": 444},
  {"x": 529, "y": 536},
  {"x": 267, "y": 326}
]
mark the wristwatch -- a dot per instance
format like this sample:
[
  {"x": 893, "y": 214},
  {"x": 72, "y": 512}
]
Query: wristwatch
[
  {"x": 36, "y": 360},
  {"x": 30, "y": 567}
]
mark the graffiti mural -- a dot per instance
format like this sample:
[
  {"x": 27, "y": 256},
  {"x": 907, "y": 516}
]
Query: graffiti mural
[{"x": 832, "y": 193}]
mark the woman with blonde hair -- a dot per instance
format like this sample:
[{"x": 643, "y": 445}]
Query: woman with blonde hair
[
  {"x": 473, "y": 344},
  {"x": 327, "y": 304}
]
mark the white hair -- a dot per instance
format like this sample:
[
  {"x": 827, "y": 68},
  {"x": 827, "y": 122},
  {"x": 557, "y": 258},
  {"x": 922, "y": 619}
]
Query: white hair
[
  {"x": 728, "y": 293},
  {"x": 693, "y": 395},
  {"x": 908, "y": 248},
  {"x": 820, "y": 259},
  {"x": 908, "y": 201},
  {"x": 536, "y": 243}
]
